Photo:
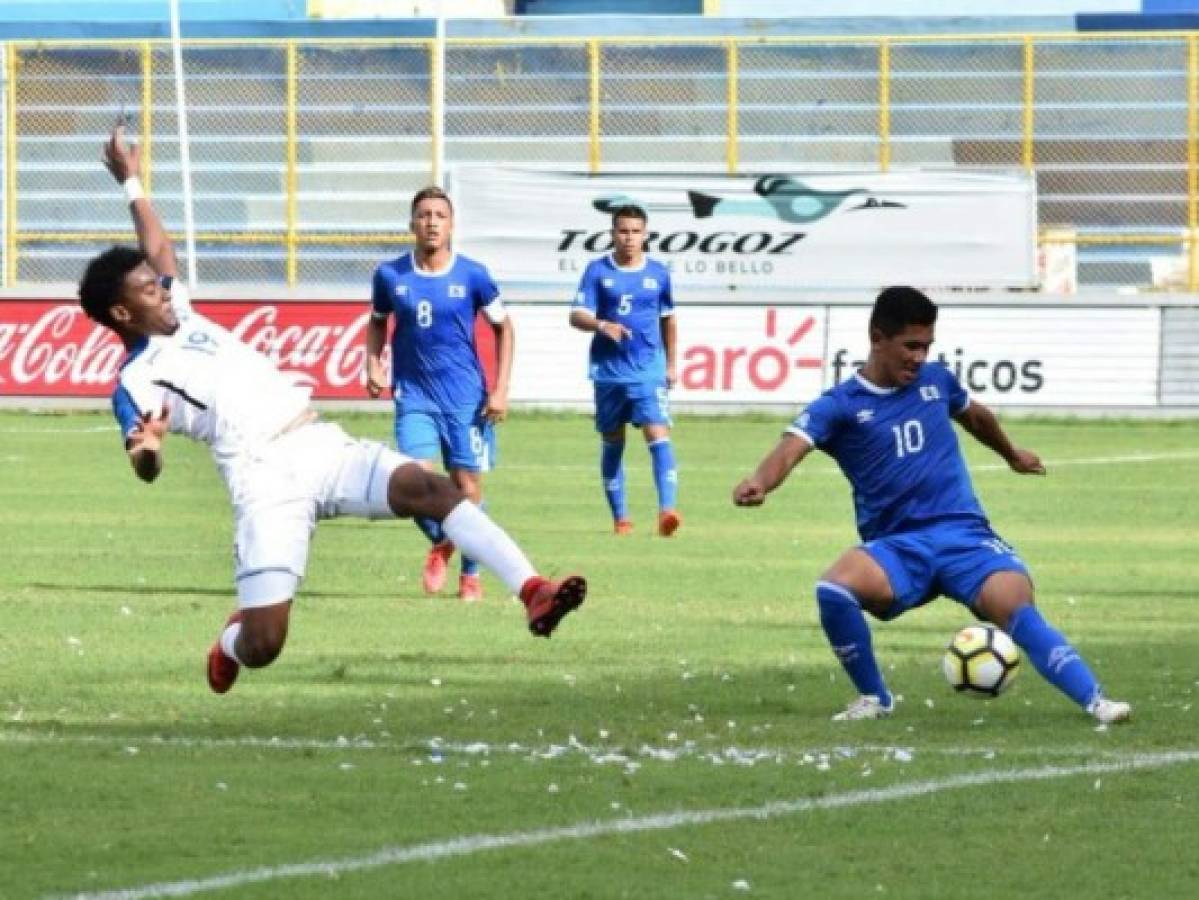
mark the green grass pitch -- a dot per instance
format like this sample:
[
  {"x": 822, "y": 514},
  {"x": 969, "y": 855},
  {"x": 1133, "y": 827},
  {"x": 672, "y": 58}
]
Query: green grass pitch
[{"x": 672, "y": 739}]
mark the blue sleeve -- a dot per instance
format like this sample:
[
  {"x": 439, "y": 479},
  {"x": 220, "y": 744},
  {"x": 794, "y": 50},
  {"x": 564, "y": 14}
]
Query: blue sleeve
[
  {"x": 485, "y": 288},
  {"x": 125, "y": 410},
  {"x": 958, "y": 399},
  {"x": 666, "y": 296},
  {"x": 819, "y": 422},
  {"x": 587, "y": 296},
  {"x": 381, "y": 293}
]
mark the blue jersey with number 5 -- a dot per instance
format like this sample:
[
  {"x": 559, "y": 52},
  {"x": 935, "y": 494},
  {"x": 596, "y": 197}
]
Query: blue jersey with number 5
[
  {"x": 435, "y": 366},
  {"x": 638, "y": 299},
  {"x": 897, "y": 447}
]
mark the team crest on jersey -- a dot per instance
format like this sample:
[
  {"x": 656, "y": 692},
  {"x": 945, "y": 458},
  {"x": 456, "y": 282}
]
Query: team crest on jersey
[
  {"x": 650, "y": 284},
  {"x": 457, "y": 291},
  {"x": 401, "y": 290},
  {"x": 930, "y": 392},
  {"x": 864, "y": 416},
  {"x": 606, "y": 282}
]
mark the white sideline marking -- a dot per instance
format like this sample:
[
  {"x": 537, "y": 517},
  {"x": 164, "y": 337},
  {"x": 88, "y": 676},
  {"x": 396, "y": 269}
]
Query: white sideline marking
[
  {"x": 471, "y": 844},
  {"x": 436, "y": 746}
]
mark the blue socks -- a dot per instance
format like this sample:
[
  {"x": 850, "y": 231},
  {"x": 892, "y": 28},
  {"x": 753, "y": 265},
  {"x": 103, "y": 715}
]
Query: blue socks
[
  {"x": 431, "y": 529},
  {"x": 845, "y": 626},
  {"x": 666, "y": 476},
  {"x": 471, "y": 566},
  {"x": 1052, "y": 655},
  {"x": 612, "y": 473}
]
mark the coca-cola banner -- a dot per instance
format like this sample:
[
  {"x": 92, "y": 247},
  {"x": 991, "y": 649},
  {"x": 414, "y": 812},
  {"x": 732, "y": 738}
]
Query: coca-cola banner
[{"x": 51, "y": 349}]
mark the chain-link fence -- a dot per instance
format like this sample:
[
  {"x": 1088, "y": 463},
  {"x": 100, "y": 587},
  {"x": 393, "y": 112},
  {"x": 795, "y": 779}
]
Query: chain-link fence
[{"x": 305, "y": 152}]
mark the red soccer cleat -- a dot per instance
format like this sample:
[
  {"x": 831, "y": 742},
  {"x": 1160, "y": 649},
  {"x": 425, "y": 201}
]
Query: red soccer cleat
[
  {"x": 668, "y": 522},
  {"x": 470, "y": 588},
  {"x": 546, "y": 602},
  {"x": 622, "y": 526},
  {"x": 436, "y": 567},
  {"x": 222, "y": 671}
]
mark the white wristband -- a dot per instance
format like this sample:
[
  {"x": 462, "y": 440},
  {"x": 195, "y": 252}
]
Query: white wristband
[{"x": 133, "y": 188}]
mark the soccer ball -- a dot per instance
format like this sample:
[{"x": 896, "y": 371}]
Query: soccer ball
[{"x": 981, "y": 661}]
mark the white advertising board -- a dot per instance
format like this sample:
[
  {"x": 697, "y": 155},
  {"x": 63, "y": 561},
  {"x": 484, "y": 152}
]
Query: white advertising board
[
  {"x": 747, "y": 234},
  {"x": 1028, "y": 356}
]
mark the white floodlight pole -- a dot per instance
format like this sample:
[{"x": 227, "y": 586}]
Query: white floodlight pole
[
  {"x": 438, "y": 98},
  {"x": 185, "y": 168}
]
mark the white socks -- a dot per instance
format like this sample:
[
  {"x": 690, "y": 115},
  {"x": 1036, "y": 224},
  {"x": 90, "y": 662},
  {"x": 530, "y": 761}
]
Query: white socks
[
  {"x": 478, "y": 537},
  {"x": 229, "y": 639}
]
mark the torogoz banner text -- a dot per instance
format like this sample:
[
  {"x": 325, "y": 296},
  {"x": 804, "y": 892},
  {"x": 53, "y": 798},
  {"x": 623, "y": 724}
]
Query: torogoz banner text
[{"x": 752, "y": 234}]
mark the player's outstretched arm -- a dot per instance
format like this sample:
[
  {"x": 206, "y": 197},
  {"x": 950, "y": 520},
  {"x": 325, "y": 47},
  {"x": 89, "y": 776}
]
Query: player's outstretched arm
[
  {"x": 123, "y": 161},
  {"x": 772, "y": 471},
  {"x": 585, "y": 320},
  {"x": 982, "y": 425},
  {"x": 376, "y": 373},
  {"x": 505, "y": 345}
]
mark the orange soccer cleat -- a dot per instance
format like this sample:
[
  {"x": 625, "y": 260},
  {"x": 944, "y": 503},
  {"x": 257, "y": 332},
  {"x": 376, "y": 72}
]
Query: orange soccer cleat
[
  {"x": 547, "y": 602},
  {"x": 436, "y": 567},
  {"x": 470, "y": 588},
  {"x": 222, "y": 671},
  {"x": 622, "y": 526},
  {"x": 668, "y": 522}
]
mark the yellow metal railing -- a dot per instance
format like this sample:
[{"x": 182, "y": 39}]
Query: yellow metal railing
[{"x": 601, "y": 126}]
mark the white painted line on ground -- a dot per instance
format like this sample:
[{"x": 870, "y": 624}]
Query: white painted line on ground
[
  {"x": 93, "y": 429},
  {"x": 469, "y": 845},
  {"x": 437, "y": 746}
]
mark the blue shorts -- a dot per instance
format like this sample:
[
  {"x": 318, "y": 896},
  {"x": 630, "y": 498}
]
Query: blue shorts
[
  {"x": 462, "y": 440},
  {"x": 952, "y": 558},
  {"x": 641, "y": 403}
]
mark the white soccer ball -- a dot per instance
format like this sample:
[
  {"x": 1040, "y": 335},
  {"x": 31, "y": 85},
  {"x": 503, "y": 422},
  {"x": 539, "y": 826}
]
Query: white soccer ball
[{"x": 981, "y": 661}]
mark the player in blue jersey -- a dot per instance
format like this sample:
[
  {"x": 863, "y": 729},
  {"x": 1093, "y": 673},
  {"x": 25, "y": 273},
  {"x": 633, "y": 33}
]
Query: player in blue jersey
[
  {"x": 923, "y": 530},
  {"x": 444, "y": 409},
  {"x": 625, "y": 300}
]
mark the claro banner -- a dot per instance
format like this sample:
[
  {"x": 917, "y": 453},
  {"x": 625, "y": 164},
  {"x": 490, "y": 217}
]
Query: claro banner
[
  {"x": 729, "y": 356},
  {"x": 746, "y": 234}
]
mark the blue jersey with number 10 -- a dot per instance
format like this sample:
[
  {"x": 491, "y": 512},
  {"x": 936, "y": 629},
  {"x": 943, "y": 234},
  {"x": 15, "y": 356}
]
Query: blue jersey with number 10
[
  {"x": 637, "y": 299},
  {"x": 898, "y": 448},
  {"x": 434, "y": 364}
]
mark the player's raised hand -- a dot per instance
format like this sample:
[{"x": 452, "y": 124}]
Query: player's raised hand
[
  {"x": 121, "y": 159},
  {"x": 1026, "y": 462},
  {"x": 750, "y": 492}
]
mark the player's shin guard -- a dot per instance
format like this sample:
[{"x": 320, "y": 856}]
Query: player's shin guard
[
  {"x": 431, "y": 529},
  {"x": 612, "y": 473},
  {"x": 480, "y": 538},
  {"x": 849, "y": 635},
  {"x": 666, "y": 475},
  {"x": 1052, "y": 655}
]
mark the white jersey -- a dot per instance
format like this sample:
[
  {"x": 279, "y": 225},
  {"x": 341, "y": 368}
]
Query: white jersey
[{"x": 217, "y": 390}]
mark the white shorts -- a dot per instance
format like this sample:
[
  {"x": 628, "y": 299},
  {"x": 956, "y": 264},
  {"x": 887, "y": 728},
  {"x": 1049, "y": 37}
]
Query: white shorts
[{"x": 315, "y": 472}]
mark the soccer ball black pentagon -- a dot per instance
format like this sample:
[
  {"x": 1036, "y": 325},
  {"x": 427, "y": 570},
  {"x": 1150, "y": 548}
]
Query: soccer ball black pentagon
[{"x": 980, "y": 661}]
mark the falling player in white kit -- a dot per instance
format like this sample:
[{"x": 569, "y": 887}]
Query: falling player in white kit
[{"x": 283, "y": 467}]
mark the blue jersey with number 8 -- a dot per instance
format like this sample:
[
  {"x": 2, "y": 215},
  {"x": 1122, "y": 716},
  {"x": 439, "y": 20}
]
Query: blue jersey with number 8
[
  {"x": 435, "y": 365},
  {"x": 898, "y": 448}
]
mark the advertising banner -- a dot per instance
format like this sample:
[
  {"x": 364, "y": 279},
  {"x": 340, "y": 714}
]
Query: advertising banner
[
  {"x": 745, "y": 234},
  {"x": 729, "y": 356}
]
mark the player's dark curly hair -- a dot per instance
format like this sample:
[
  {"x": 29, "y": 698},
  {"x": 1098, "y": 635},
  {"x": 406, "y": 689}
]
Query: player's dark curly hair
[
  {"x": 629, "y": 211},
  {"x": 103, "y": 279},
  {"x": 898, "y": 307}
]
